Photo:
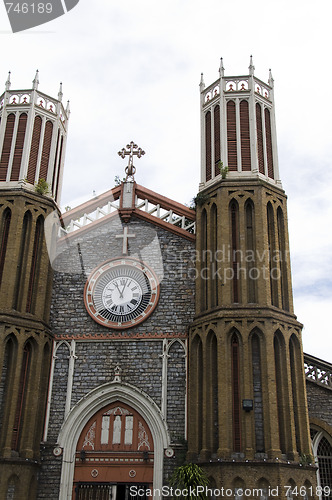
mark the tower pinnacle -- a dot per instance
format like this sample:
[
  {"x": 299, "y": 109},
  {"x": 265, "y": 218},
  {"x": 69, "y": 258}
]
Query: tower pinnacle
[
  {"x": 35, "y": 82},
  {"x": 8, "y": 83}
]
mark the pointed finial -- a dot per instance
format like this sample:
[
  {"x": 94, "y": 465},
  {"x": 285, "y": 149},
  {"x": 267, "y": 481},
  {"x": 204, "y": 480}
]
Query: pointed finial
[
  {"x": 68, "y": 108},
  {"x": 251, "y": 67},
  {"x": 201, "y": 83},
  {"x": 271, "y": 81},
  {"x": 8, "y": 82},
  {"x": 35, "y": 81},
  {"x": 60, "y": 94},
  {"x": 221, "y": 68}
]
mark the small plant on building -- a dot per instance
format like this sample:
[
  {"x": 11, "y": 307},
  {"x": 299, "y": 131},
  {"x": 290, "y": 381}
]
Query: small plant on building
[
  {"x": 42, "y": 187},
  {"x": 223, "y": 169},
  {"x": 186, "y": 480},
  {"x": 199, "y": 200}
]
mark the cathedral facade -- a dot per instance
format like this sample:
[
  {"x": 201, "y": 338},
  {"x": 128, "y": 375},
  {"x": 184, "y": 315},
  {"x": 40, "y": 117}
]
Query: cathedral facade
[{"x": 138, "y": 334}]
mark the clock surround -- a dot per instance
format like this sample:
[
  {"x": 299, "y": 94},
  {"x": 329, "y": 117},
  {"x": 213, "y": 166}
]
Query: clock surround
[{"x": 121, "y": 293}]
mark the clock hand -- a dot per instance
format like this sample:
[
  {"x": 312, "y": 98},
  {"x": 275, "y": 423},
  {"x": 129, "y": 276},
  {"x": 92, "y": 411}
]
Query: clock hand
[{"x": 117, "y": 286}]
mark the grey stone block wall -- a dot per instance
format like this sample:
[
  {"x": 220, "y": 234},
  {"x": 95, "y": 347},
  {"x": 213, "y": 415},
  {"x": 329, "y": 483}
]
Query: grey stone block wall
[
  {"x": 319, "y": 402},
  {"x": 98, "y": 352}
]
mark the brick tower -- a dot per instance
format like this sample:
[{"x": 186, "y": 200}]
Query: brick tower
[
  {"x": 247, "y": 413},
  {"x": 33, "y": 133}
]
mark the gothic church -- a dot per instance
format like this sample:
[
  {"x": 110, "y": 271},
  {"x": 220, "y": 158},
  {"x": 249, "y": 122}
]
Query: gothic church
[{"x": 137, "y": 333}]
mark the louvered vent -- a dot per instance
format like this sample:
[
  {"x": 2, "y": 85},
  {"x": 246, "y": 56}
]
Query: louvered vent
[
  {"x": 216, "y": 136},
  {"x": 245, "y": 136},
  {"x": 34, "y": 150},
  {"x": 260, "y": 147},
  {"x": 46, "y": 150},
  {"x": 269, "y": 153},
  {"x": 231, "y": 136},
  {"x": 208, "y": 144},
  {"x": 7, "y": 147},
  {"x": 19, "y": 147}
]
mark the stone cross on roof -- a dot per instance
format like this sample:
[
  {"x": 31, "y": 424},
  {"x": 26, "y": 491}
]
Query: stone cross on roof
[{"x": 131, "y": 151}]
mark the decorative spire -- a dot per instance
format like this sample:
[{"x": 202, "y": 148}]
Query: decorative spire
[
  {"x": 8, "y": 82},
  {"x": 68, "y": 109},
  {"x": 221, "y": 68},
  {"x": 60, "y": 94},
  {"x": 271, "y": 81},
  {"x": 35, "y": 81},
  {"x": 201, "y": 83},
  {"x": 251, "y": 67}
]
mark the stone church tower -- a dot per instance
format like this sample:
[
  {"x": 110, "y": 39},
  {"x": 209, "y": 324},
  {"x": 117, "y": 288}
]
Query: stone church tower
[
  {"x": 248, "y": 420},
  {"x": 32, "y": 143}
]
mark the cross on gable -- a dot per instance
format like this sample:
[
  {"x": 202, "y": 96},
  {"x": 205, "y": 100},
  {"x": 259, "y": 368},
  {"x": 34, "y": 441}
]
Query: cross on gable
[
  {"x": 125, "y": 237},
  {"x": 131, "y": 151}
]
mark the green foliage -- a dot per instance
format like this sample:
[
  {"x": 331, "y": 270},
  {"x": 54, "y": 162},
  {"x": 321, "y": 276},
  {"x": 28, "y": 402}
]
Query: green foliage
[
  {"x": 199, "y": 200},
  {"x": 186, "y": 478},
  {"x": 42, "y": 187},
  {"x": 306, "y": 459},
  {"x": 223, "y": 169}
]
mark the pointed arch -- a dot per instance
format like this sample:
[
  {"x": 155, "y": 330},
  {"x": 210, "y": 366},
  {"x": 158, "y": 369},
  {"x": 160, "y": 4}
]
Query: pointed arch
[
  {"x": 196, "y": 389},
  {"x": 236, "y": 391},
  {"x": 6, "y": 147},
  {"x": 22, "y": 123},
  {"x": 214, "y": 263},
  {"x": 280, "y": 370},
  {"x": 35, "y": 264},
  {"x": 260, "y": 142},
  {"x": 257, "y": 390},
  {"x": 273, "y": 270},
  {"x": 5, "y": 225},
  {"x": 6, "y": 382},
  {"x": 269, "y": 149},
  {"x": 204, "y": 261},
  {"x": 252, "y": 273},
  {"x": 295, "y": 369},
  {"x": 33, "y": 158},
  {"x": 217, "y": 145},
  {"x": 22, "y": 260},
  {"x": 235, "y": 249},
  {"x": 283, "y": 259},
  {"x": 213, "y": 403},
  {"x": 93, "y": 402}
]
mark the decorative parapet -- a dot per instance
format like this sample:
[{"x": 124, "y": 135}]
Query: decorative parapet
[
  {"x": 318, "y": 371},
  {"x": 236, "y": 84}
]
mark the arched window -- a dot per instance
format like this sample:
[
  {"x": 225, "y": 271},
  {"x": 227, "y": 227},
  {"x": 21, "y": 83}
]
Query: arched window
[
  {"x": 214, "y": 262},
  {"x": 46, "y": 151},
  {"x": 234, "y": 219},
  {"x": 6, "y": 218},
  {"x": 279, "y": 359},
  {"x": 295, "y": 356},
  {"x": 204, "y": 262},
  {"x": 258, "y": 392},
  {"x": 322, "y": 450},
  {"x": 236, "y": 397},
  {"x": 35, "y": 262},
  {"x": 22, "y": 261},
  {"x": 197, "y": 388},
  {"x": 283, "y": 259},
  {"x": 212, "y": 413},
  {"x": 208, "y": 151},
  {"x": 273, "y": 269},
  {"x": 7, "y": 372},
  {"x": 22, "y": 394},
  {"x": 250, "y": 252}
]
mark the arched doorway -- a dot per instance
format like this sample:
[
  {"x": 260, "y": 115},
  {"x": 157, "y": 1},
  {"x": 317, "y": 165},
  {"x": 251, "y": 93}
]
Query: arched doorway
[
  {"x": 114, "y": 455},
  {"x": 98, "y": 399}
]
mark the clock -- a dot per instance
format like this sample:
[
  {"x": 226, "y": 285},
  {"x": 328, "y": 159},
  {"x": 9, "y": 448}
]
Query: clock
[{"x": 121, "y": 293}]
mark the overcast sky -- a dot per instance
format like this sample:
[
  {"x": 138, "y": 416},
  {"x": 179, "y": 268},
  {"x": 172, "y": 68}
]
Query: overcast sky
[{"x": 131, "y": 71}]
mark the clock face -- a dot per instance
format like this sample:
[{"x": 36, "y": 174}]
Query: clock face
[{"x": 121, "y": 293}]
